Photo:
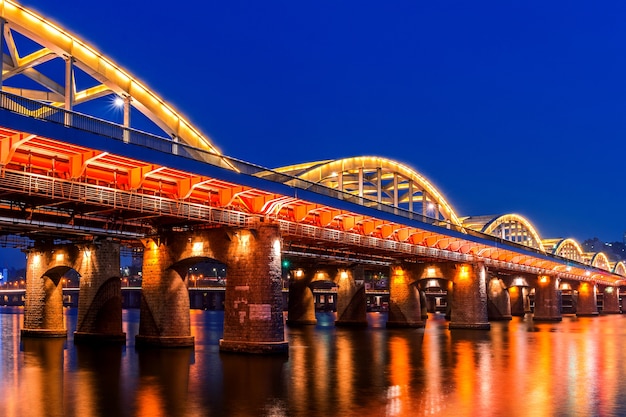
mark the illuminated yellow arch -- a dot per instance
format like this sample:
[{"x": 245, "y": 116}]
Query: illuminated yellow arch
[
  {"x": 566, "y": 248},
  {"x": 599, "y": 260},
  {"x": 620, "y": 268},
  {"x": 58, "y": 43},
  {"x": 512, "y": 227},
  {"x": 398, "y": 185}
]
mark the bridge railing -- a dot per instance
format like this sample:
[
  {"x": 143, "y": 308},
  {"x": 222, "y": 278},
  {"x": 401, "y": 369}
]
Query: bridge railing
[
  {"x": 85, "y": 193},
  {"x": 43, "y": 111}
]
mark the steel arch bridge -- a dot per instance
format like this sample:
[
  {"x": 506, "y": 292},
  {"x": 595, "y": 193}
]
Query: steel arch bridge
[
  {"x": 368, "y": 206},
  {"x": 378, "y": 180},
  {"x": 85, "y": 75}
]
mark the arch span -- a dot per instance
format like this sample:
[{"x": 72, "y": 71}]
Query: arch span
[
  {"x": 600, "y": 260},
  {"x": 620, "y": 268},
  {"x": 566, "y": 248},
  {"x": 511, "y": 227},
  {"x": 108, "y": 77},
  {"x": 378, "y": 180}
]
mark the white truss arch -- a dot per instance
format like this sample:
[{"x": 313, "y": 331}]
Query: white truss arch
[
  {"x": 600, "y": 260},
  {"x": 620, "y": 268},
  {"x": 565, "y": 248},
  {"x": 378, "y": 180},
  {"x": 511, "y": 227},
  {"x": 55, "y": 43}
]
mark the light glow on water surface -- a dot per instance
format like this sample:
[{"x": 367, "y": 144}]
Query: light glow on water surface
[{"x": 518, "y": 368}]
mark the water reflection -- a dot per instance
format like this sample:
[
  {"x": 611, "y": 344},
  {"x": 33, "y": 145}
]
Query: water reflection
[
  {"x": 163, "y": 382},
  {"x": 519, "y": 368},
  {"x": 43, "y": 383},
  {"x": 246, "y": 395},
  {"x": 98, "y": 380}
]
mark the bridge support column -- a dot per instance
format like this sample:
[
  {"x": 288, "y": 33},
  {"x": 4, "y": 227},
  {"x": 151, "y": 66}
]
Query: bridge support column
[
  {"x": 587, "y": 299},
  {"x": 253, "y": 316},
  {"x": 100, "y": 301},
  {"x": 164, "y": 316},
  {"x": 351, "y": 299},
  {"x": 405, "y": 304},
  {"x": 610, "y": 301},
  {"x": 498, "y": 300},
  {"x": 520, "y": 304},
  {"x": 301, "y": 305},
  {"x": 43, "y": 308},
  {"x": 253, "y": 306},
  {"x": 469, "y": 298},
  {"x": 547, "y": 299}
]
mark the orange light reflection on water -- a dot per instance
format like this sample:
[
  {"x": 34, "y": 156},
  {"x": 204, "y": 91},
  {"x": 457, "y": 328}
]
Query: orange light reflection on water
[
  {"x": 518, "y": 368},
  {"x": 399, "y": 377},
  {"x": 149, "y": 401}
]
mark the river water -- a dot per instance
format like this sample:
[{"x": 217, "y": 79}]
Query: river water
[{"x": 518, "y": 368}]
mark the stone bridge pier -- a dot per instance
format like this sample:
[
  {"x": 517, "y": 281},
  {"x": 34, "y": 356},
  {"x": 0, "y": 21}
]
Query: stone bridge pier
[
  {"x": 610, "y": 300},
  {"x": 548, "y": 301},
  {"x": 253, "y": 316},
  {"x": 467, "y": 294},
  {"x": 351, "y": 299},
  {"x": 407, "y": 304},
  {"x": 587, "y": 299},
  {"x": 498, "y": 299},
  {"x": 100, "y": 301},
  {"x": 519, "y": 296}
]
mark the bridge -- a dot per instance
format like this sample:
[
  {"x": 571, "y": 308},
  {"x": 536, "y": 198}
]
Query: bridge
[{"x": 76, "y": 188}]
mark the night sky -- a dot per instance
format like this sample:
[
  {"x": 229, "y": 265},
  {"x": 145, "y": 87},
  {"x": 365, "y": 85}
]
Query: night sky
[{"x": 505, "y": 106}]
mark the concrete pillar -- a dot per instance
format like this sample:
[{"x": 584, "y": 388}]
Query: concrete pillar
[
  {"x": 547, "y": 299},
  {"x": 587, "y": 299},
  {"x": 164, "y": 316},
  {"x": 498, "y": 300},
  {"x": 351, "y": 299},
  {"x": 423, "y": 306},
  {"x": 301, "y": 305},
  {"x": 253, "y": 306},
  {"x": 405, "y": 304},
  {"x": 469, "y": 300},
  {"x": 100, "y": 301},
  {"x": 610, "y": 301},
  {"x": 450, "y": 296},
  {"x": 253, "y": 316},
  {"x": 518, "y": 297},
  {"x": 43, "y": 308}
]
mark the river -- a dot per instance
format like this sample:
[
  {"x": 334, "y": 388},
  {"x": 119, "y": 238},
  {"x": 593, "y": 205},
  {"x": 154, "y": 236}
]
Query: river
[{"x": 519, "y": 368}]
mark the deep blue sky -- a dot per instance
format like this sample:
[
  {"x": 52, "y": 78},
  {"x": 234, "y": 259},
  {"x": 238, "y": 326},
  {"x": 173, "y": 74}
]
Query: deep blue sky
[{"x": 506, "y": 106}]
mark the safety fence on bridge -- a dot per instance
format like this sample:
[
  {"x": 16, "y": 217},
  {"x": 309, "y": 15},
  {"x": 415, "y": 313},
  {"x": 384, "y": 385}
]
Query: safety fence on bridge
[
  {"x": 386, "y": 245},
  {"x": 56, "y": 189}
]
